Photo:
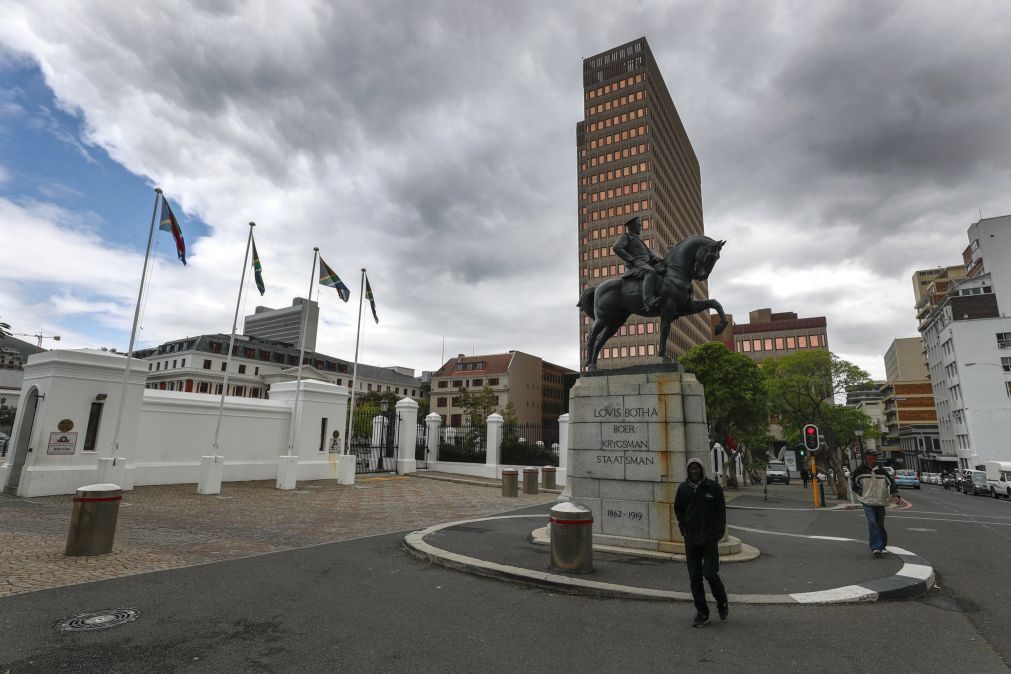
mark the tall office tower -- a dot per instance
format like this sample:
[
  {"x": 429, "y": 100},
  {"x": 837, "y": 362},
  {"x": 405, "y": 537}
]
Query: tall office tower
[
  {"x": 635, "y": 159},
  {"x": 284, "y": 325}
]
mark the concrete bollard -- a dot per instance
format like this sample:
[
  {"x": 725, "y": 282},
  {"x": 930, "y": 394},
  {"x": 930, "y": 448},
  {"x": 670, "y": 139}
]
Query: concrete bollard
[
  {"x": 571, "y": 527},
  {"x": 548, "y": 477},
  {"x": 510, "y": 477},
  {"x": 530, "y": 480},
  {"x": 93, "y": 521}
]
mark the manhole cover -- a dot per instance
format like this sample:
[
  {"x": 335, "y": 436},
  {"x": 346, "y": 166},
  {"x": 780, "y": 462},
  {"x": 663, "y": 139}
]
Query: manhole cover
[{"x": 98, "y": 620}]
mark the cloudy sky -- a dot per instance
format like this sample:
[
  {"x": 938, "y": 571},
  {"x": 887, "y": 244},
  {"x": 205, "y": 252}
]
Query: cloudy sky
[{"x": 842, "y": 144}]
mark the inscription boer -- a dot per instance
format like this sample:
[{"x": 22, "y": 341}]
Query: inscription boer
[
  {"x": 627, "y": 460},
  {"x": 624, "y": 443},
  {"x": 625, "y": 412}
]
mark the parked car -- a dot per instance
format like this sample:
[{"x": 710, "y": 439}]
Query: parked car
[
  {"x": 925, "y": 477},
  {"x": 976, "y": 484},
  {"x": 907, "y": 478},
  {"x": 935, "y": 478},
  {"x": 998, "y": 477},
  {"x": 777, "y": 472}
]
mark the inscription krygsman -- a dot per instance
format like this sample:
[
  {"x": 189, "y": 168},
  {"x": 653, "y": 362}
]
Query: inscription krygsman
[{"x": 624, "y": 444}]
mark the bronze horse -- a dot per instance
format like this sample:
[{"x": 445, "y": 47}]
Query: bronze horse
[{"x": 612, "y": 302}]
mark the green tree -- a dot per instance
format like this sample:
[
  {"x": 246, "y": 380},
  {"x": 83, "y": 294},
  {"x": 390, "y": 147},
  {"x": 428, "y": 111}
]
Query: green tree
[
  {"x": 737, "y": 403},
  {"x": 803, "y": 387},
  {"x": 7, "y": 413}
]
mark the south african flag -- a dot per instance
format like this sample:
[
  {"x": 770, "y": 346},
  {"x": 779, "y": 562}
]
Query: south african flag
[
  {"x": 328, "y": 277},
  {"x": 258, "y": 271},
  {"x": 370, "y": 298},
  {"x": 170, "y": 224}
]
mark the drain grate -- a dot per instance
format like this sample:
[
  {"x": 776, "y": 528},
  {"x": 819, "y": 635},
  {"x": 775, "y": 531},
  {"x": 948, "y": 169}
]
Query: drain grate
[{"x": 98, "y": 620}]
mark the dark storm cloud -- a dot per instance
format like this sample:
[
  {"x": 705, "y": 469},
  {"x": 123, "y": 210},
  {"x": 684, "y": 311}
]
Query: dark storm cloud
[{"x": 436, "y": 140}]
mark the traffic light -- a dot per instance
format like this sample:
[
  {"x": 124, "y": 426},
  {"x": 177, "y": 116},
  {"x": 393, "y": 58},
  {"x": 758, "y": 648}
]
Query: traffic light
[
  {"x": 801, "y": 452},
  {"x": 811, "y": 437}
]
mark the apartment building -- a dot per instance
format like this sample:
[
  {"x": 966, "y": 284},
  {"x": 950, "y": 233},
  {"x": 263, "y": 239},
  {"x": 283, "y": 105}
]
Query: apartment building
[
  {"x": 968, "y": 347},
  {"x": 537, "y": 389},
  {"x": 285, "y": 325},
  {"x": 773, "y": 335}
]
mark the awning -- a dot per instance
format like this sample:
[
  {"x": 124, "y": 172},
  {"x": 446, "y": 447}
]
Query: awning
[{"x": 949, "y": 459}]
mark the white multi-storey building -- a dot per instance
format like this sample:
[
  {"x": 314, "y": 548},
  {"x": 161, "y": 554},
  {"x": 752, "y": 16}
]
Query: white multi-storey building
[
  {"x": 968, "y": 345},
  {"x": 197, "y": 365}
]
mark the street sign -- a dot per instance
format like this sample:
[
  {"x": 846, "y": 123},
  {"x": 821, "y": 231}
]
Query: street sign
[{"x": 62, "y": 443}]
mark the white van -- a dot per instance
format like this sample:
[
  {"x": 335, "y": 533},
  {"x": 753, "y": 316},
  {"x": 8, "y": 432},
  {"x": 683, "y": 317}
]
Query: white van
[{"x": 998, "y": 478}]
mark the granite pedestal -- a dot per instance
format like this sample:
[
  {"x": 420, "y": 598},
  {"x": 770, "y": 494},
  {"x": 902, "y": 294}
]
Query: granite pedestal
[{"x": 631, "y": 433}]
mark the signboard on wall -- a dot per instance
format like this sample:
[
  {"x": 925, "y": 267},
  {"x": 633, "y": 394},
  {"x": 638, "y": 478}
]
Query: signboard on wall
[
  {"x": 62, "y": 443},
  {"x": 790, "y": 457}
]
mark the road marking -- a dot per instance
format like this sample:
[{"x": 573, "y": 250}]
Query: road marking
[
  {"x": 962, "y": 514},
  {"x": 919, "y": 529},
  {"x": 847, "y": 594},
  {"x": 942, "y": 519},
  {"x": 920, "y": 571},
  {"x": 898, "y": 551}
]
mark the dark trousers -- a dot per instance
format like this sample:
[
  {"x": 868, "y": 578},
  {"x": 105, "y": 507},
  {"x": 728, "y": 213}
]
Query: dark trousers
[
  {"x": 704, "y": 562},
  {"x": 876, "y": 527}
]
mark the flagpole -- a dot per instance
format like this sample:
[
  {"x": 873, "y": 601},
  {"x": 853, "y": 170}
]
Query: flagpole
[
  {"x": 231, "y": 341},
  {"x": 133, "y": 331},
  {"x": 301, "y": 356},
  {"x": 354, "y": 375}
]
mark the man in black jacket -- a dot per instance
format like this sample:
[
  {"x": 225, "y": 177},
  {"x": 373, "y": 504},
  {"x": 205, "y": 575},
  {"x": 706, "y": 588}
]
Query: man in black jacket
[{"x": 701, "y": 511}]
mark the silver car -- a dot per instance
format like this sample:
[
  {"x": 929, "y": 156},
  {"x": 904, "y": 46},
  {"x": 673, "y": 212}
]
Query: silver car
[{"x": 777, "y": 472}]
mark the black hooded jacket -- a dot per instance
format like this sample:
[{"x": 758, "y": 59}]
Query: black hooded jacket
[{"x": 701, "y": 510}]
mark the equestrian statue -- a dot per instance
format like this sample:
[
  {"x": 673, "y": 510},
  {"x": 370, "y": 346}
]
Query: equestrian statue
[{"x": 651, "y": 286}]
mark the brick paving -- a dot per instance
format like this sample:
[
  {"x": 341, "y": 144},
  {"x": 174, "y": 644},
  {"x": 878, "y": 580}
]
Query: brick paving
[{"x": 171, "y": 526}]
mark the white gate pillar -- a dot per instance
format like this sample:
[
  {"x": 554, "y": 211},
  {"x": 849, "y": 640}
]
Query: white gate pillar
[
  {"x": 434, "y": 423},
  {"x": 407, "y": 413},
  {"x": 495, "y": 422}
]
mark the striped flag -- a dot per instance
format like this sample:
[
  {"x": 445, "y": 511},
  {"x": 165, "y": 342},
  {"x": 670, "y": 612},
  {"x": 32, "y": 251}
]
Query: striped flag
[
  {"x": 258, "y": 271},
  {"x": 328, "y": 277},
  {"x": 170, "y": 224},
  {"x": 370, "y": 298}
]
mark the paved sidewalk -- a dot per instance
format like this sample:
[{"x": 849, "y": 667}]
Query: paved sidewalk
[{"x": 166, "y": 527}]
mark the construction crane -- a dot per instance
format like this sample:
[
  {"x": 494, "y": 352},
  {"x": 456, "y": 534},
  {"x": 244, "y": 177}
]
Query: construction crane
[{"x": 39, "y": 336}]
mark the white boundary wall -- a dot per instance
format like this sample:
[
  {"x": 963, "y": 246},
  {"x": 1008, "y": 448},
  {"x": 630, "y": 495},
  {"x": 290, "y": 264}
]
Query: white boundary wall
[{"x": 164, "y": 433}]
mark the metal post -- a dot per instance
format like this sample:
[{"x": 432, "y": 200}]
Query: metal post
[
  {"x": 133, "y": 331},
  {"x": 231, "y": 342}
]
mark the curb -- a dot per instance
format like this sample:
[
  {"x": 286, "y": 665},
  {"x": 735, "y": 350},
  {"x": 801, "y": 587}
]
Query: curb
[{"x": 914, "y": 578}]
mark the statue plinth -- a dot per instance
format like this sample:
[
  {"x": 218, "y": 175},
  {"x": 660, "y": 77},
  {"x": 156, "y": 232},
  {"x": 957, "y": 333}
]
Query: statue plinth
[{"x": 631, "y": 435}]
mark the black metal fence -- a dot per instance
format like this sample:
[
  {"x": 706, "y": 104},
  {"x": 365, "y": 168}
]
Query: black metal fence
[
  {"x": 529, "y": 444},
  {"x": 374, "y": 433},
  {"x": 522, "y": 444}
]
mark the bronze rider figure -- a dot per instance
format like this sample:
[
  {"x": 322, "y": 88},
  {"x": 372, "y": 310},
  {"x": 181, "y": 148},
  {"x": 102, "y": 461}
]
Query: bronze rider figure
[{"x": 640, "y": 262}]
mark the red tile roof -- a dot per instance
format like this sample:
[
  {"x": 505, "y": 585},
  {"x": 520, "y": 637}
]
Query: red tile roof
[{"x": 496, "y": 363}]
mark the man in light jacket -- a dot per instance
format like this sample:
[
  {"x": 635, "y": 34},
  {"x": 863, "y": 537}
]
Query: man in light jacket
[{"x": 874, "y": 488}]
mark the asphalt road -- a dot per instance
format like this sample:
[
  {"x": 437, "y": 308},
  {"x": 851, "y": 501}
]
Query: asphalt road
[{"x": 366, "y": 605}]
